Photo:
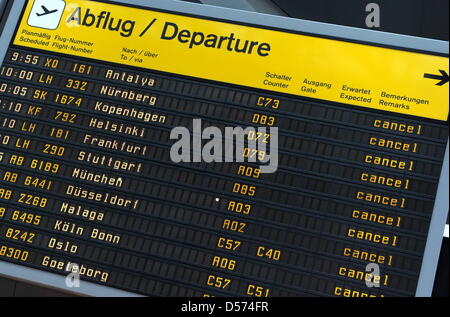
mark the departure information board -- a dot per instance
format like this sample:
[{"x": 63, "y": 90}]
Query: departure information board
[{"x": 92, "y": 94}]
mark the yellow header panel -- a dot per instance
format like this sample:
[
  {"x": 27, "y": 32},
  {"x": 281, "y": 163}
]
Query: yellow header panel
[{"x": 356, "y": 74}]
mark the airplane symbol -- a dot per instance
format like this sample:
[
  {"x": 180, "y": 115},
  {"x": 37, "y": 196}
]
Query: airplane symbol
[
  {"x": 46, "y": 14},
  {"x": 46, "y": 11}
]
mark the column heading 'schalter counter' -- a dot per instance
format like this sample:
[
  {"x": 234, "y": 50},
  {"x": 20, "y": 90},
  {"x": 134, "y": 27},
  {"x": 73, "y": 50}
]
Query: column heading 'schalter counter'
[{"x": 346, "y": 197}]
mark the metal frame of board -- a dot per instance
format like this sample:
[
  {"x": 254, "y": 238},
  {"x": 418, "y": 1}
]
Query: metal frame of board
[
  {"x": 2, "y": 6},
  {"x": 262, "y": 6},
  {"x": 440, "y": 211}
]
